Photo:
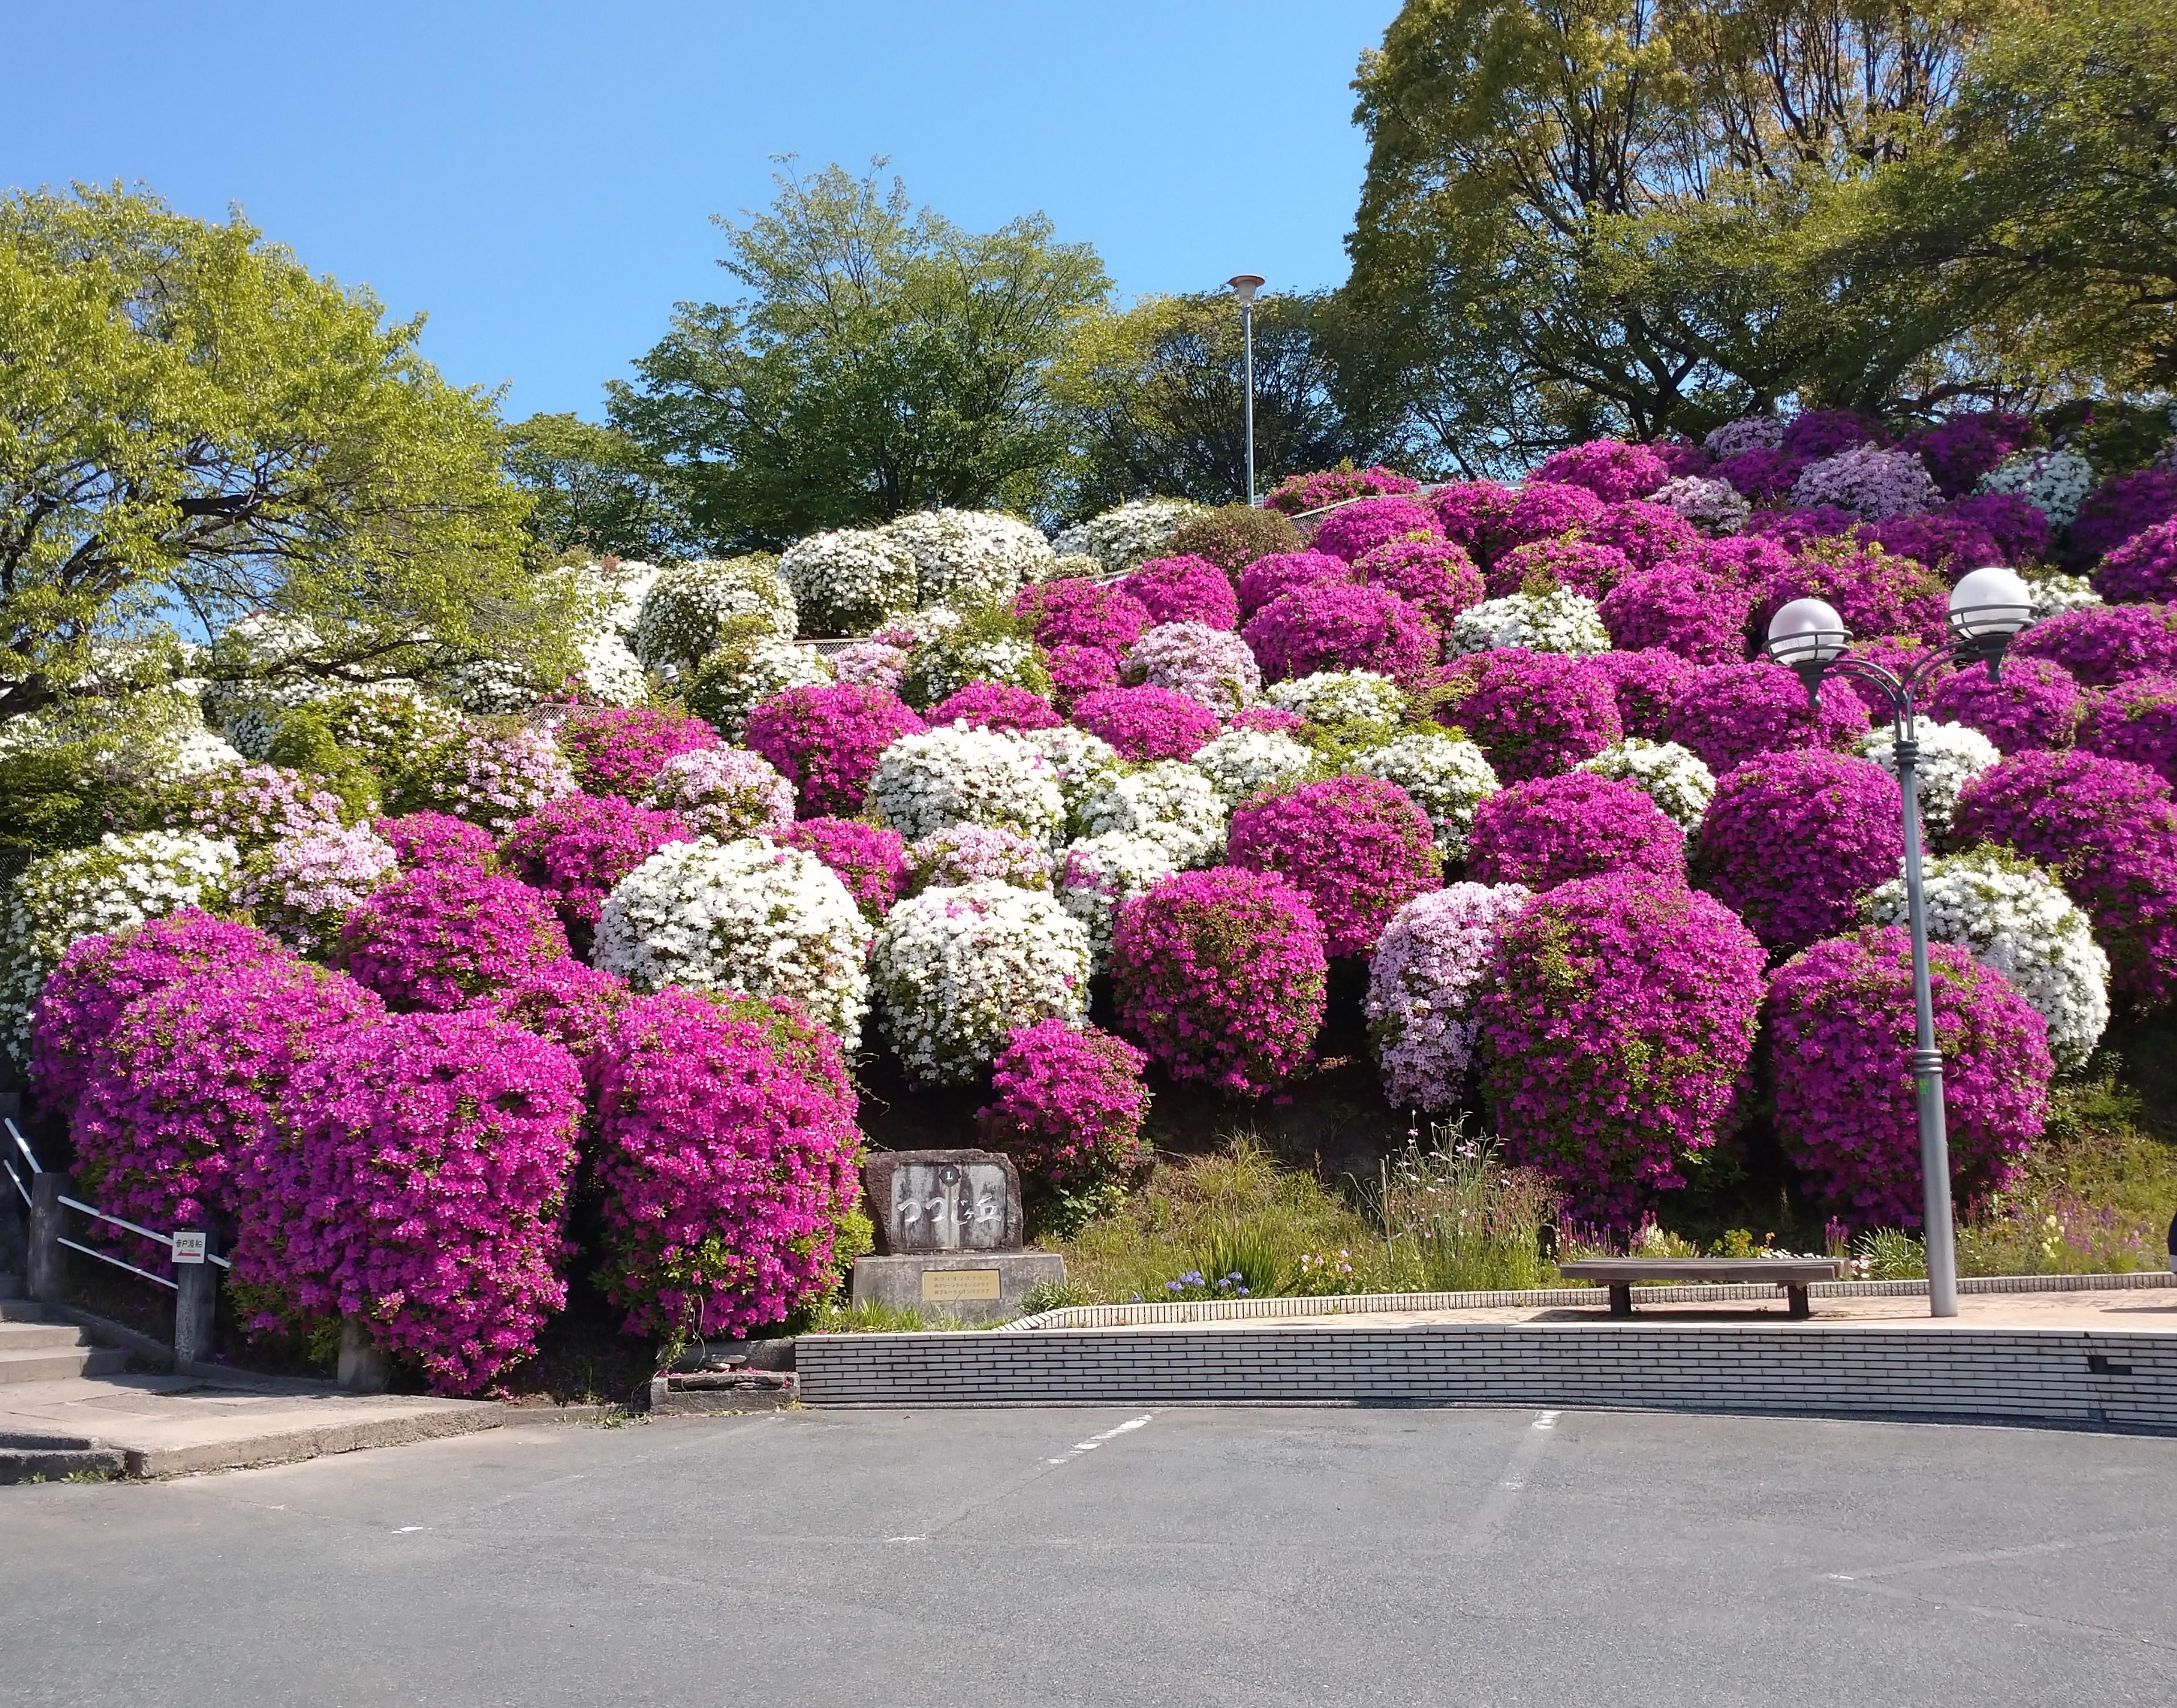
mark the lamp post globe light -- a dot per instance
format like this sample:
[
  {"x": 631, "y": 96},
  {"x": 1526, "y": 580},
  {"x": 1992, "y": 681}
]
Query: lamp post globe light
[
  {"x": 1244, "y": 286},
  {"x": 1987, "y": 607}
]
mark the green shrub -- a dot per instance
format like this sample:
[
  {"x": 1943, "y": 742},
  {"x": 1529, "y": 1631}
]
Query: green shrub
[{"x": 1235, "y": 535}]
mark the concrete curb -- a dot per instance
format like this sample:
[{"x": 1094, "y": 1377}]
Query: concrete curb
[{"x": 287, "y": 1446}]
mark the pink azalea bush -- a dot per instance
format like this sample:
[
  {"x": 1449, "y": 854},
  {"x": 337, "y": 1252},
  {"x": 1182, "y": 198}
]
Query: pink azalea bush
[
  {"x": 1551, "y": 830},
  {"x": 728, "y": 793},
  {"x": 973, "y": 854},
  {"x": 995, "y": 705},
  {"x": 1546, "y": 509},
  {"x": 826, "y": 741},
  {"x": 1185, "y": 589},
  {"x": 1081, "y": 613},
  {"x": 574, "y": 851},
  {"x": 1682, "y": 610},
  {"x": 1898, "y": 654},
  {"x": 1341, "y": 627},
  {"x": 1730, "y": 713},
  {"x": 727, "y": 1154},
  {"x": 1066, "y": 1105},
  {"x": 1873, "y": 592},
  {"x": 423, "y": 840},
  {"x": 562, "y": 1001},
  {"x": 1841, "y": 1038},
  {"x": 1357, "y": 847},
  {"x": 870, "y": 861},
  {"x": 1792, "y": 840},
  {"x": 258, "y": 805},
  {"x": 437, "y": 938},
  {"x": 302, "y": 886},
  {"x": 1584, "y": 565},
  {"x": 1607, "y": 467},
  {"x": 869, "y": 664},
  {"x": 2120, "y": 509},
  {"x": 1648, "y": 534},
  {"x": 1221, "y": 975},
  {"x": 1357, "y": 528},
  {"x": 1213, "y": 666},
  {"x": 1745, "y": 559},
  {"x": 492, "y": 777},
  {"x": 1940, "y": 539},
  {"x": 1536, "y": 714},
  {"x": 618, "y": 749},
  {"x": 420, "y": 1185},
  {"x": 1617, "y": 1021},
  {"x": 1477, "y": 514},
  {"x": 1643, "y": 683},
  {"x": 2143, "y": 570},
  {"x": 1076, "y": 671},
  {"x": 1282, "y": 572},
  {"x": 1145, "y": 723},
  {"x": 1436, "y": 577},
  {"x": 1423, "y": 980},
  {"x": 2104, "y": 645},
  {"x": 1298, "y": 493},
  {"x": 2034, "y": 703},
  {"x": 84, "y": 997},
  {"x": 2135, "y": 721}
]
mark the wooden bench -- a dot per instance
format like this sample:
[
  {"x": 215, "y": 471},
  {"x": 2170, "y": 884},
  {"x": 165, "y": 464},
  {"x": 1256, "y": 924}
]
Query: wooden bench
[{"x": 1792, "y": 1275}]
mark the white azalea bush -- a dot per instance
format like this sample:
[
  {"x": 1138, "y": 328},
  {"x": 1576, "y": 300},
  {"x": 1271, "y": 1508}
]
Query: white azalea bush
[
  {"x": 79, "y": 893},
  {"x": 941, "y": 777},
  {"x": 849, "y": 581},
  {"x": 690, "y": 607},
  {"x": 1335, "y": 700},
  {"x": 491, "y": 687},
  {"x": 2013, "y": 916},
  {"x": 1169, "y": 802},
  {"x": 1099, "y": 873},
  {"x": 1213, "y": 666},
  {"x": 972, "y": 653},
  {"x": 1676, "y": 778},
  {"x": 1951, "y": 755},
  {"x": 1557, "y": 621},
  {"x": 1084, "y": 762},
  {"x": 2055, "y": 482},
  {"x": 391, "y": 724},
  {"x": 607, "y": 672},
  {"x": 747, "y": 916},
  {"x": 2052, "y": 595},
  {"x": 742, "y": 672},
  {"x": 968, "y": 558},
  {"x": 956, "y": 971},
  {"x": 610, "y": 595},
  {"x": 1240, "y": 761},
  {"x": 1446, "y": 775},
  {"x": 1123, "y": 536}
]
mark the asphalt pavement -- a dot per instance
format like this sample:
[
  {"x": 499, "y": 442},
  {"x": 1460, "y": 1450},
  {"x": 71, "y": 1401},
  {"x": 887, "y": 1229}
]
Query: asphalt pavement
[{"x": 1190, "y": 1557}]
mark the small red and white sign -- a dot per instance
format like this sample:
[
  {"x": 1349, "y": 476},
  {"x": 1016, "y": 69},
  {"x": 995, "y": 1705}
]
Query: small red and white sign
[{"x": 188, "y": 1248}]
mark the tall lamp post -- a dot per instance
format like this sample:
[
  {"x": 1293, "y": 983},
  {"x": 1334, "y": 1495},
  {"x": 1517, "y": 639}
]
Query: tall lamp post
[
  {"x": 1987, "y": 607},
  {"x": 1244, "y": 286}
]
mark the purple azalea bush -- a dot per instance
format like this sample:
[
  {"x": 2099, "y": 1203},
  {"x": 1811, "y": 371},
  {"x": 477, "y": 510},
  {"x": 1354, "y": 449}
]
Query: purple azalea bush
[
  {"x": 1536, "y": 714},
  {"x": 2035, "y": 702},
  {"x": 995, "y": 705},
  {"x": 1066, "y": 1105},
  {"x": 1145, "y": 723},
  {"x": 1730, "y": 713},
  {"x": 1436, "y": 577},
  {"x": 1334, "y": 626},
  {"x": 1357, "y": 847},
  {"x": 574, "y": 850},
  {"x": 2143, "y": 570},
  {"x": 425, "y": 840},
  {"x": 2137, "y": 720},
  {"x": 2103, "y": 644},
  {"x": 826, "y": 741},
  {"x": 1551, "y": 830},
  {"x": 1683, "y": 609},
  {"x": 436, "y": 939}
]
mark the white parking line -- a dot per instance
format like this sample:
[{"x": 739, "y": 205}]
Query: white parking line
[{"x": 1096, "y": 1441}]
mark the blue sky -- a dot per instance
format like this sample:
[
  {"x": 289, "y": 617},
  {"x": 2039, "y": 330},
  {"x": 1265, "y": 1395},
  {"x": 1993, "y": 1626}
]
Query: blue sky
[{"x": 540, "y": 177}]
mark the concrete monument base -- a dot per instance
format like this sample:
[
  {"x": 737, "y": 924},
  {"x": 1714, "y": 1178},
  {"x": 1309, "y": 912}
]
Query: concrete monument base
[{"x": 974, "y": 1287}]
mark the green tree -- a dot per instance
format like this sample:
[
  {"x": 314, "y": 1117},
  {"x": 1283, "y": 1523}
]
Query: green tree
[
  {"x": 884, "y": 360},
  {"x": 197, "y": 429},
  {"x": 595, "y": 489}
]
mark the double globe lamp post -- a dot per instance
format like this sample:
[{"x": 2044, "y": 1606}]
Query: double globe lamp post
[{"x": 1987, "y": 607}]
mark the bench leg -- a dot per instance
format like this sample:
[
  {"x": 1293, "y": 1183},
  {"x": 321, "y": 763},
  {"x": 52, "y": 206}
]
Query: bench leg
[
  {"x": 1621, "y": 1298},
  {"x": 1800, "y": 1307}
]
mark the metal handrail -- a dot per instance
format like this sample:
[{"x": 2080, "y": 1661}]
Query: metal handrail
[
  {"x": 92, "y": 1210},
  {"x": 118, "y": 1263},
  {"x": 23, "y": 1144}
]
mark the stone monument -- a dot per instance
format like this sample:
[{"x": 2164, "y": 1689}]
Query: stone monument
[{"x": 949, "y": 1232}]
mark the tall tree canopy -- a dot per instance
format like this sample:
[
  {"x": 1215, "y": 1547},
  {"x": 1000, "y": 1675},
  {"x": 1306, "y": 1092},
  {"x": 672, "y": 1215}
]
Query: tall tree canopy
[
  {"x": 193, "y": 427},
  {"x": 595, "y": 489},
  {"x": 885, "y": 359}
]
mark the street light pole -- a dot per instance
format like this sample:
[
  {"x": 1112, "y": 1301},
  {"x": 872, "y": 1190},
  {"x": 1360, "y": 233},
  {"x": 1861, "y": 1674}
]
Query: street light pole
[
  {"x": 1987, "y": 607},
  {"x": 1246, "y": 285}
]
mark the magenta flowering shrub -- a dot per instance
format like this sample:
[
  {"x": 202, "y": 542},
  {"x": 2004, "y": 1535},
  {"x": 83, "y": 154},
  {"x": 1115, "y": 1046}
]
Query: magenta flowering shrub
[
  {"x": 2143, "y": 570},
  {"x": 562, "y": 1001},
  {"x": 1066, "y": 1105},
  {"x": 1267, "y": 720},
  {"x": 1358, "y": 528},
  {"x": 1960, "y": 450},
  {"x": 574, "y": 850},
  {"x": 2035, "y": 703},
  {"x": 258, "y": 805},
  {"x": 1747, "y": 560},
  {"x": 1551, "y": 830},
  {"x": 1820, "y": 433},
  {"x": 1477, "y": 514},
  {"x": 1423, "y": 980},
  {"x": 1357, "y": 847},
  {"x": 1617, "y": 1023},
  {"x": 2103, "y": 644},
  {"x": 1301, "y": 493},
  {"x": 437, "y": 938},
  {"x": 1078, "y": 670},
  {"x": 1607, "y": 467},
  {"x": 826, "y": 741},
  {"x": 1221, "y": 975},
  {"x": 2108, "y": 829},
  {"x": 870, "y": 861},
  {"x": 1580, "y": 564},
  {"x": 421, "y": 1187},
  {"x": 1145, "y": 723},
  {"x": 1436, "y": 577},
  {"x": 1947, "y": 543},
  {"x": 1185, "y": 589},
  {"x": 726, "y": 1153},
  {"x": 974, "y": 854},
  {"x": 2119, "y": 509},
  {"x": 423, "y": 840},
  {"x": 1763, "y": 473},
  {"x": 2135, "y": 721},
  {"x": 1282, "y": 572},
  {"x": 618, "y": 749},
  {"x": 1544, "y": 510},
  {"x": 84, "y": 997},
  {"x": 1896, "y": 653},
  {"x": 1729, "y": 713},
  {"x": 1340, "y": 626},
  {"x": 1073, "y": 612},
  {"x": 2019, "y": 528},
  {"x": 995, "y": 705},
  {"x": 1793, "y": 841},
  {"x": 1680, "y": 609},
  {"x": 1680, "y": 457},
  {"x": 1648, "y": 533},
  {"x": 184, "y": 1091},
  {"x": 1643, "y": 683},
  {"x": 1873, "y": 592},
  {"x": 1841, "y": 1030},
  {"x": 1536, "y": 714}
]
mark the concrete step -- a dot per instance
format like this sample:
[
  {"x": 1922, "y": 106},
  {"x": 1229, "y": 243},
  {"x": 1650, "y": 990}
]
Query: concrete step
[
  {"x": 57, "y": 1460},
  {"x": 25, "y": 1311},
  {"x": 38, "y": 1337},
  {"x": 54, "y": 1365}
]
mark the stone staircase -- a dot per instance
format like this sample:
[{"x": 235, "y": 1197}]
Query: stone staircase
[{"x": 37, "y": 1345}]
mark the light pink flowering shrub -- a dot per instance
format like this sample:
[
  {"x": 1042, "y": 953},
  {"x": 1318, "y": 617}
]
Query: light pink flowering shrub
[
  {"x": 436, "y": 939},
  {"x": 1841, "y": 1038},
  {"x": 1066, "y": 1105},
  {"x": 870, "y": 664},
  {"x": 1423, "y": 980},
  {"x": 258, "y": 805},
  {"x": 491, "y": 778},
  {"x": 617, "y": 750},
  {"x": 301, "y": 887},
  {"x": 1213, "y": 666},
  {"x": 970, "y": 854},
  {"x": 728, "y": 792},
  {"x": 1357, "y": 847}
]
